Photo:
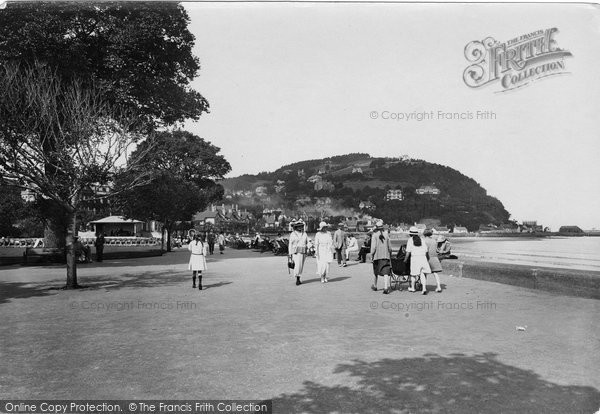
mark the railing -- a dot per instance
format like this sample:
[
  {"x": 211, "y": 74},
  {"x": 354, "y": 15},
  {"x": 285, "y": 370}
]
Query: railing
[
  {"x": 22, "y": 242},
  {"x": 124, "y": 241},
  {"x": 89, "y": 241}
]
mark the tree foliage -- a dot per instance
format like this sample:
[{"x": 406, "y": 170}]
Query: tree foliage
[
  {"x": 139, "y": 53},
  {"x": 184, "y": 170}
]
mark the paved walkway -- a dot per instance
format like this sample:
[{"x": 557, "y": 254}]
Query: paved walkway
[{"x": 140, "y": 331}]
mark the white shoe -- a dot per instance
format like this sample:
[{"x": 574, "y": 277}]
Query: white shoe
[
  {"x": 411, "y": 289},
  {"x": 326, "y": 280},
  {"x": 438, "y": 290}
]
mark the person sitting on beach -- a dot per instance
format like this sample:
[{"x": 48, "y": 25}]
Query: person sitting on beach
[
  {"x": 81, "y": 251},
  {"x": 443, "y": 248},
  {"x": 365, "y": 249},
  {"x": 352, "y": 246}
]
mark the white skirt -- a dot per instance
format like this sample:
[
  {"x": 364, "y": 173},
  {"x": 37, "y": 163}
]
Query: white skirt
[
  {"x": 197, "y": 262},
  {"x": 418, "y": 264}
]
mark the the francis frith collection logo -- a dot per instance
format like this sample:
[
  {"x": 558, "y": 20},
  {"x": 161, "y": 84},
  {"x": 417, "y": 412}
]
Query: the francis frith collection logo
[{"x": 514, "y": 63}]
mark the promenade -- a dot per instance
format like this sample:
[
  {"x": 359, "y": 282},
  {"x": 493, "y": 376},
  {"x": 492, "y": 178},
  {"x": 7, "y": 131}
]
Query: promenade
[{"x": 139, "y": 331}]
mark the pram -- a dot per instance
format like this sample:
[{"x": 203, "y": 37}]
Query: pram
[{"x": 401, "y": 271}]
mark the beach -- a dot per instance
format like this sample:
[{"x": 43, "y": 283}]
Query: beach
[{"x": 139, "y": 331}]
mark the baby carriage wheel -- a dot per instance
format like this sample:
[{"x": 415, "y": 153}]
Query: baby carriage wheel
[{"x": 394, "y": 282}]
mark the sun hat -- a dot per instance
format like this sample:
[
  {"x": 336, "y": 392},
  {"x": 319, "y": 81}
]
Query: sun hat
[
  {"x": 298, "y": 223},
  {"x": 441, "y": 239},
  {"x": 379, "y": 224},
  {"x": 322, "y": 225},
  {"x": 428, "y": 232},
  {"x": 413, "y": 231}
]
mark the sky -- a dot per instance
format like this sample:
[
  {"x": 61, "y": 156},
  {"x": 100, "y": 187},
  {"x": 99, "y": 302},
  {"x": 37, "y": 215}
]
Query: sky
[{"x": 288, "y": 82}]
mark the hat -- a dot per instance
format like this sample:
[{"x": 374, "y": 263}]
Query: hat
[
  {"x": 428, "y": 232},
  {"x": 322, "y": 225},
  {"x": 413, "y": 231},
  {"x": 298, "y": 223},
  {"x": 379, "y": 224},
  {"x": 441, "y": 239}
]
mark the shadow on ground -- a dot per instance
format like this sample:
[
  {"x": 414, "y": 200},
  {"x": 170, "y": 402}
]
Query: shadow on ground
[
  {"x": 433, "y": 383},
  {"x": 318, "y": 279},
  {"x": 18, "y": 290}
]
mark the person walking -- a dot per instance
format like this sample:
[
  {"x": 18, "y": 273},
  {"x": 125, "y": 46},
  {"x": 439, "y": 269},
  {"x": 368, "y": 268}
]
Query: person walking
[
  {"x": 197, "y": 263},
  {"x": 99, "y": 243},
  {"x": 434, "y": 262},
  {"x": 297, "y": 248},
  {"x": 340, "y": 243},
  {"x": 221, "y": 240},
  {"x": 381, "y": 254},
  {"x": 417, "y": 252},
  {"x": 210, "y": 240},
  {"x": 323, "y": 251}
]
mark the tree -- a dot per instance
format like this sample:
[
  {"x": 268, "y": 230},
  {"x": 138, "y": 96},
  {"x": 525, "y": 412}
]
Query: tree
[
  {"x": 139, "y": 54},
  {"x": 185, "y": 168},
  {"x": 58, "y": 138},
  {"x": 11, "y": 204}
]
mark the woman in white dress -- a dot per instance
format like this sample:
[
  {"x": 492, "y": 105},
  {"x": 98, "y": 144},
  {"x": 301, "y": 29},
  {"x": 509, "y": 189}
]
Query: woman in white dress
[
  {"x": 197, "y": 264},
  {"x": 297, "y": 248},
  {"x": 323, "y": 250},
  {"x": 417, "y": 252}
]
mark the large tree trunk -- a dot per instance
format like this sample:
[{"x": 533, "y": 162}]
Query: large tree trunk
[
  {"x": 71, "y": 253},
  {"x": 57, "y": 222},
  {"x": 168, "y": 239}
]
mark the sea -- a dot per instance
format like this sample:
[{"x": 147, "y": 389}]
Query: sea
[{"x": 580, "y": 253}]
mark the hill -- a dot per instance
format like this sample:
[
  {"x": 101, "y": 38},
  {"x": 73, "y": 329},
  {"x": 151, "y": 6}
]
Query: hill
[{"x": 358, "y": 184}]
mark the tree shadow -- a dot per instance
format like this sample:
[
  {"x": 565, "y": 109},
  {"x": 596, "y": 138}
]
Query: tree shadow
[
  {"x": 20, "y": 290},
  {"x": 433, "y": 383}
]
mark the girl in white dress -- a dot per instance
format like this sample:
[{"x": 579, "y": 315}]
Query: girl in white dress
[
  {"x": 197, "y": 263},
  {"x": 324, "y": 251},
  {"x": 417, "y": 252}
]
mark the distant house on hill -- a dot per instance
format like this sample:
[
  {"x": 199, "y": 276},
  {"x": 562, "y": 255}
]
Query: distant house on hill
[
  {"x": 441, "y": 230},
  {"x": 430, "y": 222},
  {"x": 28, "y": 196},
  {"x": 314, "y": 178},
  {"x": 427, "y": 190},
  {"x": 459, "y": 230},
  {"x": 223, "y": 218},
  {"x": 570, "y": 229},
  {"x": 393, "y": 195},
  {"x": 324, "y": 185},
  {"x": 261, "y": 191},
  {"x": 366, "y": 205}
]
